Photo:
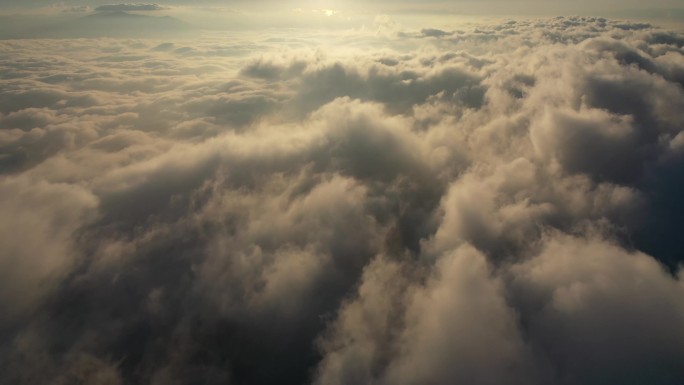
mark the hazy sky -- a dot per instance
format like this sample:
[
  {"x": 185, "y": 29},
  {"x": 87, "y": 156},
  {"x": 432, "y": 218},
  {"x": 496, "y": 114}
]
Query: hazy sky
[
  {"x": 43, "y": 18},
  {"x": 458, "y": 6}
]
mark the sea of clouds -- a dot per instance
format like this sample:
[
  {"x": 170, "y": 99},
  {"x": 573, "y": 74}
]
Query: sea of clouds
[{"x": 501, "y": 204}]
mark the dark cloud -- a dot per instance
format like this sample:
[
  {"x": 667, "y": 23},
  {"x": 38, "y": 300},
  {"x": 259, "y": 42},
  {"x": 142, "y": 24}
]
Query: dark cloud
[
  {"x": 498, "y": 204},
  {"x": 128, "y": 7},
  {"x": 77, "y": 9},
  {"x": 433, "y": 32}
]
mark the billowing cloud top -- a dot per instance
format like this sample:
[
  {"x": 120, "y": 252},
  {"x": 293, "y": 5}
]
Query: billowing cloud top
[{"x": 481, "y": 203}]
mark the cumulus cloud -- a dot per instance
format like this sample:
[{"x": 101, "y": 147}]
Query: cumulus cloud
[{"x": 498, "y": 203}]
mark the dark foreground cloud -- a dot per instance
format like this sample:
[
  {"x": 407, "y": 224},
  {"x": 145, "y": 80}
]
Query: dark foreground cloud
[{"x": 493, "y": 204}]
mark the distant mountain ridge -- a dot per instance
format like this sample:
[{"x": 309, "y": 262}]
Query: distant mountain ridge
[{"x": 106, "y": 24}]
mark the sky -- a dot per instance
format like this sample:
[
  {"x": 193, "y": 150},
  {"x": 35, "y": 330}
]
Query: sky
[
  {"x": 329, "y": 193},
  {"x": 523, "y": 5},
  {"x": 479, "y": 7},
  {"x": 73, "y": 19}
]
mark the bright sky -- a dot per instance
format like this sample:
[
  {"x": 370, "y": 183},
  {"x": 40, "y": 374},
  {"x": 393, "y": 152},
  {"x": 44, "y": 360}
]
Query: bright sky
[{"x": 258, "y": 14}]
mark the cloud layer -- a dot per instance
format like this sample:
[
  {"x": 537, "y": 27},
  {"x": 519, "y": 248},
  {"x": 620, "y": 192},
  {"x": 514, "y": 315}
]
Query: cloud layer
[{"x": 499, "y": 203}]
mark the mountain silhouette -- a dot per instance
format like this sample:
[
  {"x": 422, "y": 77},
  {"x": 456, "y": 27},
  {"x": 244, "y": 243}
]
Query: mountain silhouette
[{"x": 110, "y": 24}]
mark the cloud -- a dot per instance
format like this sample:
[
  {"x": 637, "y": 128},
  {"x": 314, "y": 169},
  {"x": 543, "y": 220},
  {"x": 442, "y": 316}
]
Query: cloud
[
  {"x": 591, "y": 294},
  {"x": 459, "y": 329},
  {"x": 76, "y": 9},
  {"x": 37, "y": 245},
  {"x": 128, "y": 7},
  {"x": 497, "y": 203}
]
